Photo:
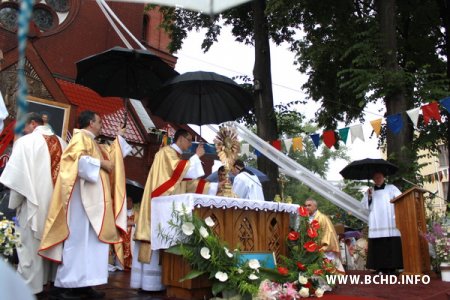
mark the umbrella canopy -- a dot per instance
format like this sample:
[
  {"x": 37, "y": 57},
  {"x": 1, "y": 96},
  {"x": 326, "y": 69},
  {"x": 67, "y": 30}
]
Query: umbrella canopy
[
  {"x": 214, "y": 177},
  {"x": 134, "y": 190},
  {"x": 126, "y": 73},
  {"x": 201, "y": 98},
  {"x": 365, "y": 168},
  {"x": 205, "y": 6}
]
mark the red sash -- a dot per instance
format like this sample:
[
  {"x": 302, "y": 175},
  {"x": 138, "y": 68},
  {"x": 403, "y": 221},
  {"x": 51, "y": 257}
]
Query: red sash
[{"x": 55, "y": 151}]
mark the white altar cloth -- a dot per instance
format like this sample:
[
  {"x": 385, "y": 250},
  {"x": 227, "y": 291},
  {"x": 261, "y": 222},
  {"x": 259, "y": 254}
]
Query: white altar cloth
[{"x": 162, "y": 208}]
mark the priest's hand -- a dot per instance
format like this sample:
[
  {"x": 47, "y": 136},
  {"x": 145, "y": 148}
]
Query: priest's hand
[
  {"x": 107, "y": 165},
  {"x": 121, "y": 130},
  {"x": 200, "y": 151}
]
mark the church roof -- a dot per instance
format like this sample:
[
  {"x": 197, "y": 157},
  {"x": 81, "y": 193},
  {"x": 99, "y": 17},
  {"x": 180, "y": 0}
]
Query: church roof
[{"x": 111, "y": 109}]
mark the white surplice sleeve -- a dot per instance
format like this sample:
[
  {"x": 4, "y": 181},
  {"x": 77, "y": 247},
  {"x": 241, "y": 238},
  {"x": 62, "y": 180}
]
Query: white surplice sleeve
[
  {"x": 124, "y": 146},
  {"x": 89, "y": 168},
  {"x": 195, "y": 168},
  {"x": 240, "y": 187}
]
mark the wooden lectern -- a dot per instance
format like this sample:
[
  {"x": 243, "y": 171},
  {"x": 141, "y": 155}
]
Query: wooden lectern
[
  {"x": 410, "y": 220},
  {"x": 251, "y": 230}
]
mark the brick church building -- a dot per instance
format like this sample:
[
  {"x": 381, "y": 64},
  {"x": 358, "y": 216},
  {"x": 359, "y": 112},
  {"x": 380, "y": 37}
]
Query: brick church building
[{"x": 63, "y": 32}]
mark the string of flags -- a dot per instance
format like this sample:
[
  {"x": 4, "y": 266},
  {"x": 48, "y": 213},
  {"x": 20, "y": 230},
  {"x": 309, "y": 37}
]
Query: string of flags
[
  {"x": 331, "y": 138},
  {"x": 441, "y": 175}
]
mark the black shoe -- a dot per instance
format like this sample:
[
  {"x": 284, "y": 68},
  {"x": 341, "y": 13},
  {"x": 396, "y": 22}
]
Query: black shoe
[
  {"x": 67, "y": 294},
  {"x": 90, "y": 293}
]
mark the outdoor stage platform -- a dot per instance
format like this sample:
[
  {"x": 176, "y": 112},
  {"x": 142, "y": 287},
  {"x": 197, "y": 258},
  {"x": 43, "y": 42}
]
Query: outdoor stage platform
[{"x": 118, "y": 288}]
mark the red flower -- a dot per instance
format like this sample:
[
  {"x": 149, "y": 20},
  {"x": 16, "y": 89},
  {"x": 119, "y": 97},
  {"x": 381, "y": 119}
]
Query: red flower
[
  {"x": 283, "y": 271},
  {"x": 318, "y": 272},
  {"x": 302, "y": 211},
  {"x": 310, "y": 246},
  {"x": 312, "y": 233},
  {"x": 315, "y": 224},
  {"x": 308, "y": 284},
  {"x": 293, "y": 235},
  {"x": 301, "y": 266}
]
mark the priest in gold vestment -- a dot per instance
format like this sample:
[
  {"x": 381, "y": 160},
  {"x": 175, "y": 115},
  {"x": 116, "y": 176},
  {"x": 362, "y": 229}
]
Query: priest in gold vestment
[
  {"x": 31, "y": 174},
  {"x": 169, "y": 175},
  {"x": 87, "y": 211},
  {"x": 329, "y": 238}
]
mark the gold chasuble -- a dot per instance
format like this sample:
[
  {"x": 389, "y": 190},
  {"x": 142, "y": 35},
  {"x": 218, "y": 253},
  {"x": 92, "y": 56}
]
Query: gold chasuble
[
  {"x": 329, "y": 237},
  {"x": 106, "y": 213},
  {"x": 165, "y": 178}
]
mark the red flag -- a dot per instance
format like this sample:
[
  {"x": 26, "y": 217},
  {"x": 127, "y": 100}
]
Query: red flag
[
  {"x": 277, "y": 144},
  {"x": 329, "y": 138},
  {"x": 431, "y": 111}
]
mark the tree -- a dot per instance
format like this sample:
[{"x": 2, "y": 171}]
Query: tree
[{"x": 252, "y": 23}]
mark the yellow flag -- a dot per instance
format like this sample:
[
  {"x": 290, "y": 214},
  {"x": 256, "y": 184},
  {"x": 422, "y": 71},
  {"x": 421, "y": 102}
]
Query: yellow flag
[
  {"x": 376, "y": 125},
  {"x": 297, "y": 144}
]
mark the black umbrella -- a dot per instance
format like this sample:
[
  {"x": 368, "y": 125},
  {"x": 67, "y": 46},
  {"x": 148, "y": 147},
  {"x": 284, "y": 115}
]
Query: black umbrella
[
  {"x": 134, "y": 190},
  {"x": 201, "y": 98},
  {"x": 365, "y": 168},
  {"x": 126, "y": 73}
]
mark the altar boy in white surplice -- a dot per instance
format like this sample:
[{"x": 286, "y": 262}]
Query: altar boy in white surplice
[{"x": 246, "y": 185}]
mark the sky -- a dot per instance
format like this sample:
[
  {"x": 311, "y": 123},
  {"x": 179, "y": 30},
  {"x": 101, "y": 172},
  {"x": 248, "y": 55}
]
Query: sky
[{"x": 230, "y": 58}]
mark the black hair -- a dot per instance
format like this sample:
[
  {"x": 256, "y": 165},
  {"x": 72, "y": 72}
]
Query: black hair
[
  {"x": 241, "y": 167},
  {"x": 85, "y": 118},
  {"x": 34, "y": 116},
  {"x": 180, "y": 132}
]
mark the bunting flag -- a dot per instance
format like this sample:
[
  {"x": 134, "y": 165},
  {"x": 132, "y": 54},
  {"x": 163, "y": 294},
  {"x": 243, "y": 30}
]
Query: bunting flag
[
  {"x": 395, "y": 123},
  {"x": 276, "y": 144},
  {"x": 446, "y": 103},
  {"x": 257, "y": 153},
  {"x": 288, "y": 144},
  {"x": 357, "y": 132},
  {"x": 164, "y": 140},
  {"x": 343, "y": 133},
  {"x": 316, "y": 139},
  {"x": 297, "y": 144},
  {"x": 245, "y": 149},
  {"x": 431, "y": 111},
  {"x": 376, "y": 125},
  {"x": 329, "y": 138},
  {"x": 413, "y": 114}
]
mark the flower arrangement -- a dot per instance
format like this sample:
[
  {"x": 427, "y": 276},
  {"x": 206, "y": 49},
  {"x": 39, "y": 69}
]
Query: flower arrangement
[
  {"x": 303, "y": 273},
  {"x": 196, "y": 241},
  {"x": 300, "y": 275},
  {"x": 9, "y": 239},
  {"x": 438, "y": 237}
]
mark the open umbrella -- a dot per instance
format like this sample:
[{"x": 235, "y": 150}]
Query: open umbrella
[
  {"x": 214, "y": 177},
  {"x": 365, "y": 168},
  {"x": 122, "y": 72},
  {"x": 134, "y": 190},
  {"x": 201, "y": 98}
]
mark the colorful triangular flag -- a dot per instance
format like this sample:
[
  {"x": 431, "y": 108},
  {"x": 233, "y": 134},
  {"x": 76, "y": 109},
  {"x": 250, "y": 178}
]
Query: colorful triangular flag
[
  {"x": 357, "y": 132},
  {"x": 431, "y": 111},
  {"x": 288, "y": 144},
  {"x": 316, "y": 139},
  {"x": 413, "y": 114},
  {"x": 329, "y": 138},
  {"x": 446, "y": 103},
  {"x": 343, "y": 133},
  {"x": 395, "y": 123},
  {"x": 276, "y": 144},
  {"x": 297, "y": 144},
  {"x": 376, "y": 125}
]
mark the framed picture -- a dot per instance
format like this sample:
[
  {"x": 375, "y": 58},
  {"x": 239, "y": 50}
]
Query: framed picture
[
  {"x": 266, "y": 259},
  {"x": 56, "y": 113}
]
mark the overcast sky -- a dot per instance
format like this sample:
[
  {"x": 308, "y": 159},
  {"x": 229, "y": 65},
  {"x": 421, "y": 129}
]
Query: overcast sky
[{"x": 231, "y": 58}]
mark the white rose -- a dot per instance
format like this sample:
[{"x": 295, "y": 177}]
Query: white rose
[
  {"x": 319, "y": 293},
  {"x": 203, "y": 232},
  {"x": 254, "y": 264},
  {"x": 304, "y": 292},
  {"x": 188, "y": 228},
  {"x": 252, "y": 277},
  {"x": 221, "y": 276},
  {"x": 302, "y": 279},
  {"x": 205, "y": 253},
  {"x": 209, "y": 221}
]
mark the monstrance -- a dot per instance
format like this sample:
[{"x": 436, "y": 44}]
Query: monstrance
[{"x": 227, "y": 148}]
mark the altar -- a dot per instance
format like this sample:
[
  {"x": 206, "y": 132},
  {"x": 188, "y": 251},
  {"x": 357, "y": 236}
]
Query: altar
[{"x": 257, "y": 226}]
